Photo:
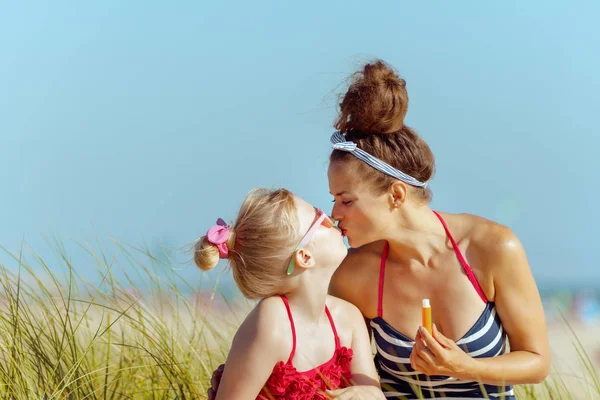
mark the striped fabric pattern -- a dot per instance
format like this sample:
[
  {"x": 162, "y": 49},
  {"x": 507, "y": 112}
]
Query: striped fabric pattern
[
  {"x": 399, "y": 381},
  {"x": 339, "y": 143}
]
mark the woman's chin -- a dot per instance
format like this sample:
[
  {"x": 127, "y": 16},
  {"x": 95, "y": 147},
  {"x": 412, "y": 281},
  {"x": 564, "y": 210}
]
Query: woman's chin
[
  {"x": 352, "y": 242},
  {"x": 357, "y": 241}
]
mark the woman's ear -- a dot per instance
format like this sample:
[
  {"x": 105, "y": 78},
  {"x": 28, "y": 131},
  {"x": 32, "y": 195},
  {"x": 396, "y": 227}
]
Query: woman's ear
[{"x": 398, "y": 192}]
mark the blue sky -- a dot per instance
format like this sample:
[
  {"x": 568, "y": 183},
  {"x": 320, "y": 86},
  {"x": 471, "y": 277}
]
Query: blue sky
[{"x": 146, "y": 121}]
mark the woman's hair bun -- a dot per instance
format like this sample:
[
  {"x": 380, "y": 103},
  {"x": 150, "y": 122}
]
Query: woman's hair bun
[{"x": 376, "y": 101}]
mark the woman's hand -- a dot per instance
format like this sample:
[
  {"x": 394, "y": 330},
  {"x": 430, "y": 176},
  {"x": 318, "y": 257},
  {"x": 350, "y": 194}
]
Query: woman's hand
[{"x": 438, "y": 355}]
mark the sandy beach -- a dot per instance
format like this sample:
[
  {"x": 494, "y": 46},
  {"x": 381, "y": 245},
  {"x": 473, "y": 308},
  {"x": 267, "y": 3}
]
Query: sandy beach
[{"x": 567, "y": 363}]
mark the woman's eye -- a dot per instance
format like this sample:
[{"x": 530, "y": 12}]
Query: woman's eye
[{"x": 346, "y": 203}]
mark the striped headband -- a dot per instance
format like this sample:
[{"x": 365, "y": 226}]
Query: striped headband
[{"x": 339, "y": 143}]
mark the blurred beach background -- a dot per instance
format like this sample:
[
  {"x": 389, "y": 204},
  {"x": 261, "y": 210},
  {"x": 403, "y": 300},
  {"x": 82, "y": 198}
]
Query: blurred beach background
[{"x": 143, "y": 122}]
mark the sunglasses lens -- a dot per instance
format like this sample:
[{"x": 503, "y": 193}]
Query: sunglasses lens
[{"x": 328, "y": 222}]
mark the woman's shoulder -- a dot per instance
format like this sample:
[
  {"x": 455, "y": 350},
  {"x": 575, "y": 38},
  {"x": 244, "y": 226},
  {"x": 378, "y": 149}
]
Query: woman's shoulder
[
  {"x": 356, "y": 279},
  {"x": 478, "y": 231},
  {"x": 361, "y": 257},
  {"x": 491, "y": 245},
  {"x": 489, "y": 237},
  {"x": 360, "y": 265}
]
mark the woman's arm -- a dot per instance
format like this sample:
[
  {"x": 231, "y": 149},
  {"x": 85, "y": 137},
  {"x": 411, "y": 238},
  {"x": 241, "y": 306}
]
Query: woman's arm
[
  {"x": 519, "y": 307},
  {"x": 248, "y": 365}
]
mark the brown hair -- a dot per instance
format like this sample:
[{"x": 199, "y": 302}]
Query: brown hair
[
  {"x": 372, "y": 115},
  {"x": 262, "y": 240}
]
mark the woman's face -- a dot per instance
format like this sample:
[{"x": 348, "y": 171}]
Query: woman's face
[{"x": 362, "y": 215}]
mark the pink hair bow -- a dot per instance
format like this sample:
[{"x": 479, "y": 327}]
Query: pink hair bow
[{"x": 218, "y": 236}]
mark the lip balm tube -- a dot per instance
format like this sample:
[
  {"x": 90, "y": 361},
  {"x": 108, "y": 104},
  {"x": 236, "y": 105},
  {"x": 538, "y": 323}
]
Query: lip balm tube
[{"x": 426, "y": 316}]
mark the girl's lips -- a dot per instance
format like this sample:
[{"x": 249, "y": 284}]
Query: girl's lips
[{"x": 344, "y": 232}]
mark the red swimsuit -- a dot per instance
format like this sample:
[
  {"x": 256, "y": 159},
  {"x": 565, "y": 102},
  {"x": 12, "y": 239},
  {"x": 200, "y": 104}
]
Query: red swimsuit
[{"x": 288, "y": 383}]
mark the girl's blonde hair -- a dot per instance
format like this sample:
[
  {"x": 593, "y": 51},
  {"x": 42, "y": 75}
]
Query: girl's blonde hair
[{"x": 262, "y": 240}]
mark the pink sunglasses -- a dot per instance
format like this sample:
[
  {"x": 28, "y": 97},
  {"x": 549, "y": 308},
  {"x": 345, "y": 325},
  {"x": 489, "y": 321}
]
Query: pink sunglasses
[{"x": 321, "y": 219}]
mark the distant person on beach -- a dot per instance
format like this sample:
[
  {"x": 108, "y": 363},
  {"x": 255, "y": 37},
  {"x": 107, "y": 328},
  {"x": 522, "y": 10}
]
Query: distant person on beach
[
  {"x": 475, "y": 272},
  {"x": 298, "y": 342}
]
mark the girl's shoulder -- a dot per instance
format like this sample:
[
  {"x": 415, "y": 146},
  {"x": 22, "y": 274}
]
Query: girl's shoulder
[
  {"x": 263, "y": 326},
  {"x": 343, "y": 312}
]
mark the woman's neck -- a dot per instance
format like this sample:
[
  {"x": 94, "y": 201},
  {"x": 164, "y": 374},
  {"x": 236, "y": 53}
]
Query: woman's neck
[{"x": 416, "y": 235}]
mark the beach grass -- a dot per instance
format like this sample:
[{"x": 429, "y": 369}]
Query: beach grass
[{"x": 138, "y": 329}]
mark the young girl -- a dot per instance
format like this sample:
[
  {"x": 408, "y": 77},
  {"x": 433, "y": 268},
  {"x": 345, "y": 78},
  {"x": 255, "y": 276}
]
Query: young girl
[{"x": 298, "y": 342}]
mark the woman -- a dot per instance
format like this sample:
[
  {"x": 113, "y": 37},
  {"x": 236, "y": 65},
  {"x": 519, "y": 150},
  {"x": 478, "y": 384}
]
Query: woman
[
  {"x": 473, "y": 270},
  {"x": 284, "y": 252}
]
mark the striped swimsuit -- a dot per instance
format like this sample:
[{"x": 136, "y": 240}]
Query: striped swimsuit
[{"x": 486, "y": 338}]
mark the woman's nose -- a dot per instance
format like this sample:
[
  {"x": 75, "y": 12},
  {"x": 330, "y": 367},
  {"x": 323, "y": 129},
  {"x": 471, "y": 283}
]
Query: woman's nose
[{"x": 335, "y": 215}]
